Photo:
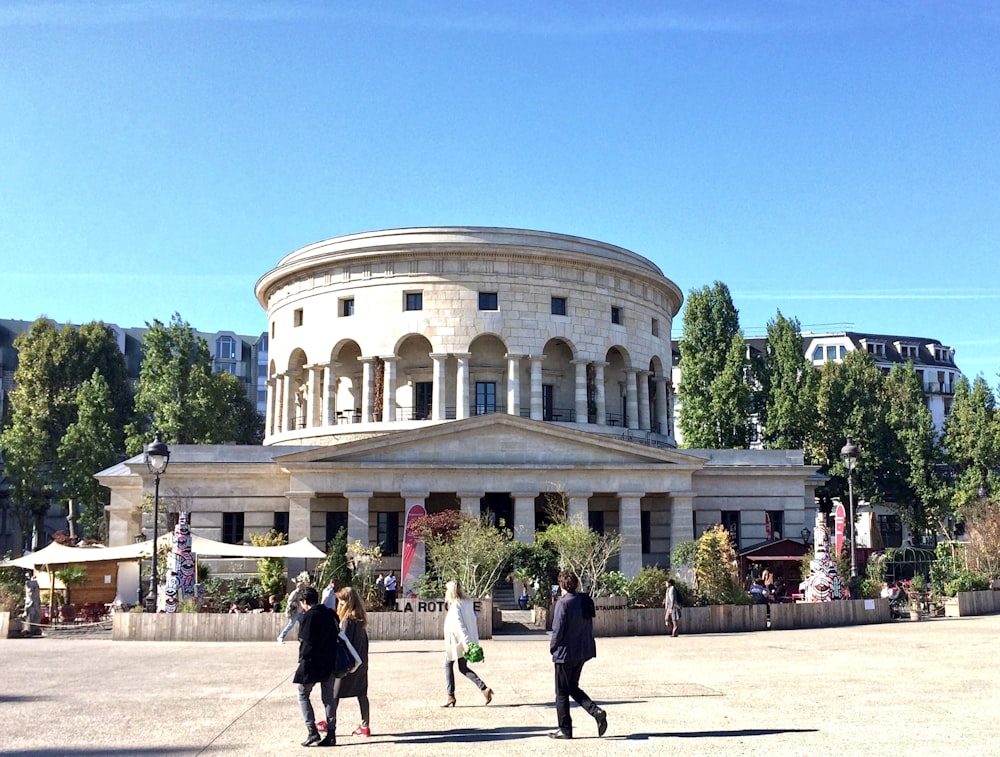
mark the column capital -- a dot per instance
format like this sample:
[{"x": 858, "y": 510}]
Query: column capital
[
  {"x": 461, "y": 355},
  {"x": 438, "y": 355},
  {"x": 389, "y": 358},
  {"x": 514, "y": 356},
  {"x": 357, "y": 494},
  {"x": 367, "y": 358}
]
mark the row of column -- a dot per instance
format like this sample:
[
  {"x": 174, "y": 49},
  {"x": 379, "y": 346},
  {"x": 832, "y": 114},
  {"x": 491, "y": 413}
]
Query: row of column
[
  {"x": 312, "y": 400},
  {"x": 629, "y": 517}
]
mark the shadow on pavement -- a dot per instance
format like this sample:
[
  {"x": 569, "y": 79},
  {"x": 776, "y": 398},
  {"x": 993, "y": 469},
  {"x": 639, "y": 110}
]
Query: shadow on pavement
[
  {"x": 717, "y": 734},
  {"x": 469, "y": 735}
]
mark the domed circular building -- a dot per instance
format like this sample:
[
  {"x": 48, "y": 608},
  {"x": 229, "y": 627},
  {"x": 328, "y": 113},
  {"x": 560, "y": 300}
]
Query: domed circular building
[{"x": 377, "y": 332}]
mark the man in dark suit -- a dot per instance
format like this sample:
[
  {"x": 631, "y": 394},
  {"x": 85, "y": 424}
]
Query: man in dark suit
[
  {"x": 317, "y": 657},
  {"x": 572, "y": 644}
]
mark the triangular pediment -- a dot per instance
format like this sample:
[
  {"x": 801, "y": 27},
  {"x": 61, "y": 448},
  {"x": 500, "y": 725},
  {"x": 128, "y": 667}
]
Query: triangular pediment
[{"x": 492, "y": 440}]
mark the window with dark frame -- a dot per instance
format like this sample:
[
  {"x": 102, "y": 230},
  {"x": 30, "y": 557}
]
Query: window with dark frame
[
  {"x": 645, "y": 525},
  {"x": 297, "y": 317},
  {"x": 388, "y": 532},
  {"x": 731, "y": 522},
  {"x": 232, "y": 528},
  {"x": 414, "y": 301},
  {"x": 281, "y": 524},
  {"x": 347, "y": 307},
  {"x": 486, "y": 397},
  {"x": 225, "y": 348},
  {"x": 334, "y": 522},
  {"x": 423, "y": 400},
  {"x": 488, "y": 301},
  {"x": 558, "y": 306},
  {"x": 777, "y": 520},
  {"x": 595, "y": 519},
  {"x": 616, "y": 314}
]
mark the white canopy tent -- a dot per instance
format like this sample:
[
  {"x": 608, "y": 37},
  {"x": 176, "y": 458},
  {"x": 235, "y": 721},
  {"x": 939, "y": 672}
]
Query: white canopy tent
[{"x": 59, "y": 554}]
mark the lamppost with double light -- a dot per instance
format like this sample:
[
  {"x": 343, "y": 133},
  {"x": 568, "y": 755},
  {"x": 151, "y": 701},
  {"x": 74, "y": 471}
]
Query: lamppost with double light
[
  {"x": 157, "y": 456},
  {"x": 850, "y": 455}
]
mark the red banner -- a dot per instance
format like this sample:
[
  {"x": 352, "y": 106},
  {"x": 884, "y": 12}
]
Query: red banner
[
  {"x": 840, "y": 517},
  {"x": 411, "y": 548}
]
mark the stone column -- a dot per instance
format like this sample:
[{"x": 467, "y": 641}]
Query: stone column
[
  {"x": 462, "y": 385},
  {"x": 660, "y": 401},
  {"x": 271, "y": 405},
  {"x": 642, "y": 382},
  {"x": 524, "y": 516},
  {"x": 600, "y": 395},
  {"x": 471, "y": 503},
  {"x": 537, "y": 410},
  {"x": 631, "y": 400},
  {"x": 288, "y": 401},
  {"x": 514, "y": 384},
  {"x": 357, "y": 517},
  {"x": 580, "y": 391},
  {"x": 389, "y": 389},
  {"x": 367, "y": 389},
  {"x": 437, "y": 398},
  {"x": 578, "y": 507},
  {"x": 630, "y": 527},
  {"x": 299, "y": 524},
  {"x": 681, "y": 517},
  {"x": 330, "y": 394},
  {"x": 315, "y": 396}
]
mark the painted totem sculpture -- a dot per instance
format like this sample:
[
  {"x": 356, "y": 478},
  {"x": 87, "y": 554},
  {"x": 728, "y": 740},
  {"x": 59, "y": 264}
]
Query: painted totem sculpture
[
  {"x": 824, "y": 583},
  {"x": 180, "y": 566}
]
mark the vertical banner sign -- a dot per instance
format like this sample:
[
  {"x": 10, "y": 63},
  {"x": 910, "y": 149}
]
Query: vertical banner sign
[
  {"x": 414, "y": 557},
  {"x": 768, "y": 530},
  {"x": 839, "y": 518}
]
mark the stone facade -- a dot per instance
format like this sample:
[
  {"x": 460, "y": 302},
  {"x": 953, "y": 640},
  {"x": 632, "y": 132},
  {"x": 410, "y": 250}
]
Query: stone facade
[{"x": 487, "y": 370}]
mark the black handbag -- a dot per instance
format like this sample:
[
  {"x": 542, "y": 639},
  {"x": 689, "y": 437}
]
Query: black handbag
[{"x": 347, "y": 659}]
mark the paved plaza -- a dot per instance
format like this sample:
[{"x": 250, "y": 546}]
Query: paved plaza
[{"x": 905, "y": 687}]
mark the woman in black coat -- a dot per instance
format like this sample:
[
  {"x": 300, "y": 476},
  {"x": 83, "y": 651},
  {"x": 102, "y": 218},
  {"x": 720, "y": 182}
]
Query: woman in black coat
[
  {"x": 353, "y": 619},
  {"x": 317, "y": 656}
]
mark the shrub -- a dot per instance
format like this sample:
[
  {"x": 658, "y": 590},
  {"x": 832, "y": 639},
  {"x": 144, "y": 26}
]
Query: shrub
[
  {"x": 966, "y": 580},
  {"x": 716, "y": 569}
]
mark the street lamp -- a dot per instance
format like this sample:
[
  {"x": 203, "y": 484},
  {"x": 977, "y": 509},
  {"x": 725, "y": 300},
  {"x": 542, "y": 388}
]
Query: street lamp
[
  {"x": 850, "y": 455},
  {"x": 157, "y": 457}
]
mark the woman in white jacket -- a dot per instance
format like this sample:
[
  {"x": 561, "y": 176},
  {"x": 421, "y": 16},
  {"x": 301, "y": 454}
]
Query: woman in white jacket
[{"x": 459, "y": 632}]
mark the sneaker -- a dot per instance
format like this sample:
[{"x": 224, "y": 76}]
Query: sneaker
[
  {"x": 281, "y": 639},
  {"x": 362, "y": 730}
]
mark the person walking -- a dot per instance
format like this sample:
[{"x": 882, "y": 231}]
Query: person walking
[
  {"x": 329, "y": 597},
  {"x": 460, "y": 632},
  {"x": 293, "y": 608},
  {"x": 671, "y": 608},
  {"x": 318, "y": 633},
  {"x": 353, "y": 622},
  {"x": 571, "y": 645}
]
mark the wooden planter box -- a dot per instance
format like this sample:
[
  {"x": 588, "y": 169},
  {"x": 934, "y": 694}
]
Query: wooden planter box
[
  {"x": 416, "y": 619},
  {"x": 844, "y": 612},
  {"x": 967, "y": 603}
]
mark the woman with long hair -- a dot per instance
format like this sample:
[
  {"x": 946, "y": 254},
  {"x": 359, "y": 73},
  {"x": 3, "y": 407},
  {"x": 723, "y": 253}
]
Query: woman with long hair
[
  {"x": 353, "y": 619},
  {"x": 460, "y": 631}
]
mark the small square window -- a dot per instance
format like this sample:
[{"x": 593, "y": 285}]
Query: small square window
[
  {"x": 656, "y": 327},
  {"x": 488, "y": 301},
  {"x": 347, "y": 306},
  {"x": 616, "y": 314},
  {"x": 558, "y": 306},
  {"x": 414, "y": 301},
  {"x": 297, "y": 319}
]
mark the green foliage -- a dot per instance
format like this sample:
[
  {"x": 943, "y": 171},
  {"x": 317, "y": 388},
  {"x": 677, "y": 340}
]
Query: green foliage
[
  {"x": 270, "y": 570},
  {"x": 178, "y": 394},
  {"x": 717, "y": 569},
  {"x": 684, "y": 554},
  {"x": 11, "y": 586},
  {"x": 54, "y": 363},
  {"x": 477, "y": 554},
  {"x": 222, "y": 593},
  {"x": 714, "y": 395},
  {"x": 335, "y": 565},
  {"x": 644, "y": 590},
  {"x": 535, "y": 563},
  {"x": 583, "y": 551},
  {"x": 789, "y": 383}
]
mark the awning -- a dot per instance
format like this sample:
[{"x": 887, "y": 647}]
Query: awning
[{"x": 60, "y": 554}]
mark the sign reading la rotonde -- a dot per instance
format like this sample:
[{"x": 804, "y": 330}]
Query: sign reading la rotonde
[{"x": 431, "y": 605}]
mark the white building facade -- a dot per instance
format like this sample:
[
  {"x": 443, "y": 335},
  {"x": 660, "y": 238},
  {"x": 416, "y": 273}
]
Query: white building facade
[{"x": 480, "y": 369}]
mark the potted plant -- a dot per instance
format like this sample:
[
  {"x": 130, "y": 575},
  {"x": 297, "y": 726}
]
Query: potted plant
[{"x": 918, "y": 586}]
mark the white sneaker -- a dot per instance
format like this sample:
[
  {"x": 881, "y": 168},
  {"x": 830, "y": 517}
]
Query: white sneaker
[{"x": 281, "y": 639}]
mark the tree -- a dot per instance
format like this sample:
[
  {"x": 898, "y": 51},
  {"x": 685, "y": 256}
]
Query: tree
[
  {"x": 714, "y": 395},
  {"x": 475, "y": 554},
  {"x": 583, "y": 551},
  {"x": 91, "y": 444},
  {"x": 972, "y": 443},
  {"x": 717, "y": 569},
  {"x": 789, "y": 384},
  {"x": 178, "y": 394},
  {"x": 53, "y": 364},
  {"x": 335, "y": 565},
  {"x": 271, "y": 570}
]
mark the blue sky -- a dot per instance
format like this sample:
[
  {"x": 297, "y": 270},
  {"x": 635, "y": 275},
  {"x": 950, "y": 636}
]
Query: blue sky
[{"x": 839, "y": 161}]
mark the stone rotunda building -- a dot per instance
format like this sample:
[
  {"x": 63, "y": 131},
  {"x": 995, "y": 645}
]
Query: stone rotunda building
[{"x": 481, "y": 369}]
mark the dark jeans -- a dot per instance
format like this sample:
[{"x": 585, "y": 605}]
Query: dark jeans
[
  {"x": 465, "y": 670},
  {"x": 568, "y": 685},
  {"x": 329, "y": 704}
]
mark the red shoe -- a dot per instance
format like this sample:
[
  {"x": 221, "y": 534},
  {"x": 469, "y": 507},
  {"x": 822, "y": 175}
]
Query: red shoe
[
  {"x": 362, "y": 730},
  {"x": 320, "y": 725}
]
